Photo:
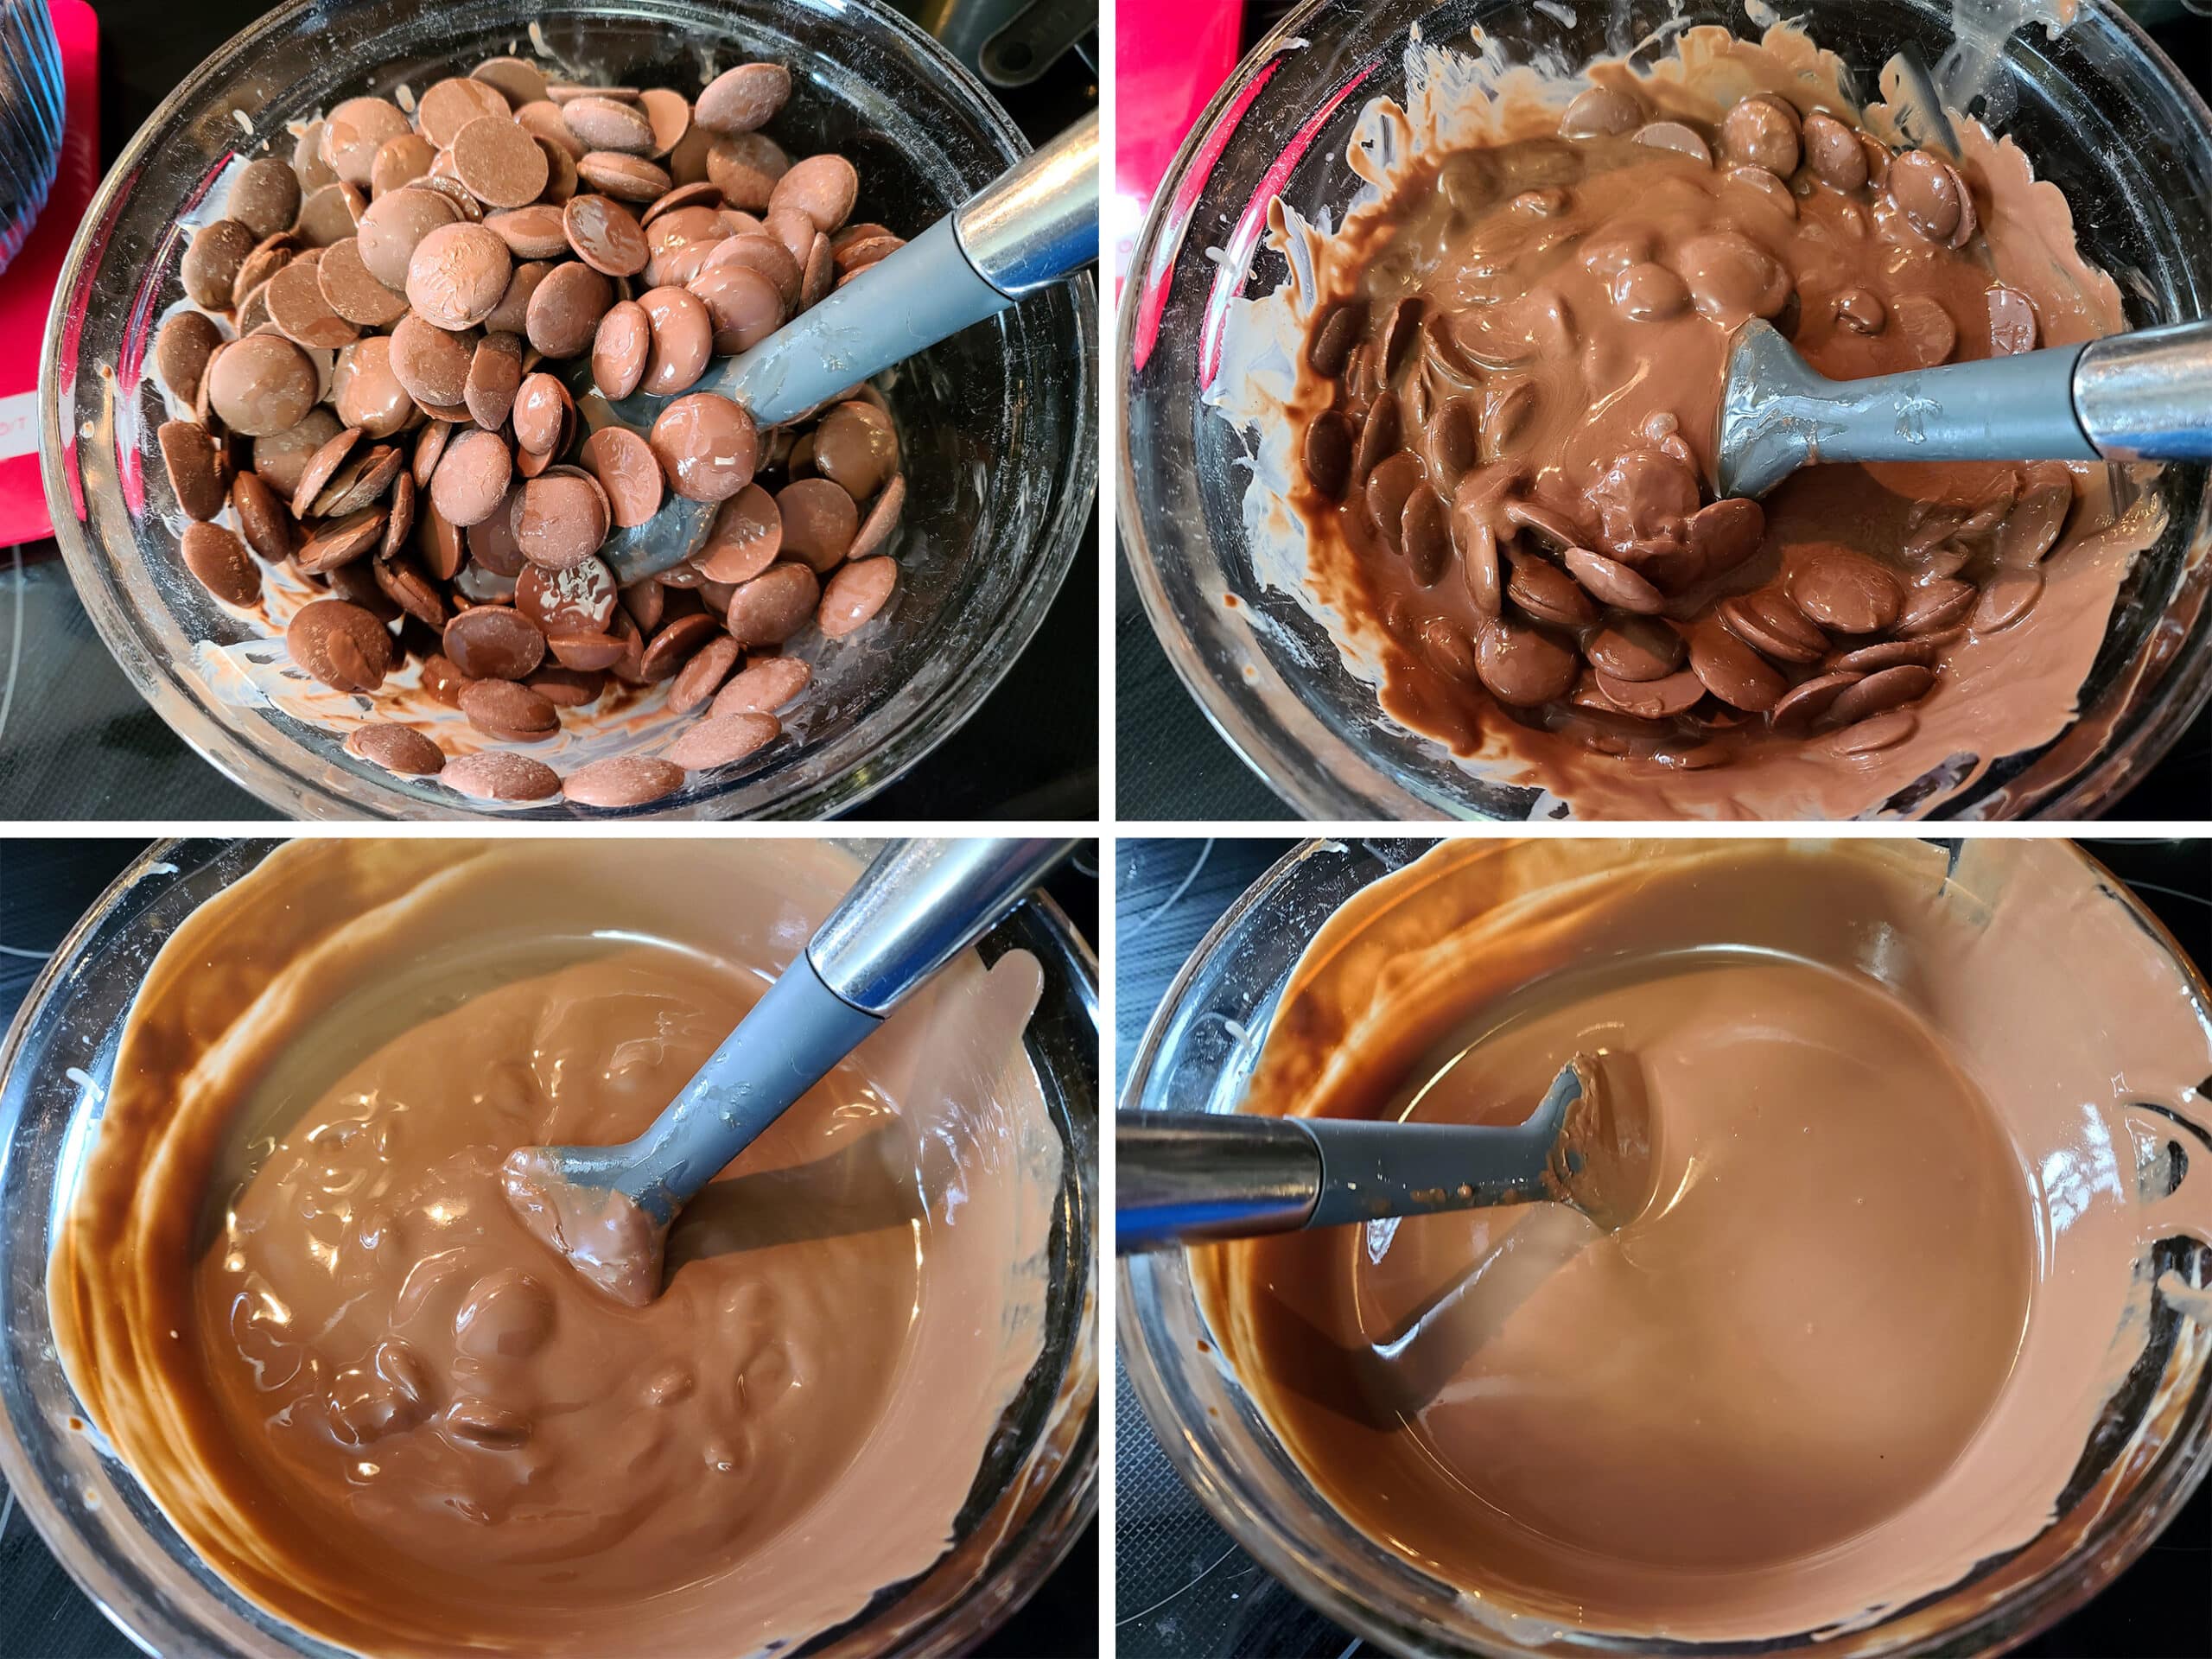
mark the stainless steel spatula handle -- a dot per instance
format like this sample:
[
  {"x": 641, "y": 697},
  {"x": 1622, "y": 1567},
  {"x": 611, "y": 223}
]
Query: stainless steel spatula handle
[
  {"x": 1037, "y": 223},
  {"x": 2148, "y": 396},
  {"x": 920, "y": 904},
  {"x": 1181, "y": 1177}
]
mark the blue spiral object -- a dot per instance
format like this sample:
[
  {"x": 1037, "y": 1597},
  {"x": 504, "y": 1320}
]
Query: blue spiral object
[{"x": 32, "y": 118}]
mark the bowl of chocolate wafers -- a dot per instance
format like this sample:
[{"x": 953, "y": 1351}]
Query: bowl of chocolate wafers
[{"x": 325, "y": 429}]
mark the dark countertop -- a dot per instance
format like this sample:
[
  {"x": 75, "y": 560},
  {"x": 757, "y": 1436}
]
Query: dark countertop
[
  {"x": 1183, "y": 1590},
  {"x": 77, "y": 742},
  {"x": 45, "y": 885},
  {"x": 1171, "y": 764}
]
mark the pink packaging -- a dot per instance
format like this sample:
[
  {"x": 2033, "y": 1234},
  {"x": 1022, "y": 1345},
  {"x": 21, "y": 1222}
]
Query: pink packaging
[
  {"x": 26, "y": 286},
  {"x": 1171, "y": 57}
]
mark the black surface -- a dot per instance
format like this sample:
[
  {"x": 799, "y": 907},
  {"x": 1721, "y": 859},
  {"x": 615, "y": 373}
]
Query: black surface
[
  {"x": 1170, "y": 765},
  {"x": 1183, "y": 1590},
  {"x": 45, "y": 885},
  {"x": 76, "y": 742}
]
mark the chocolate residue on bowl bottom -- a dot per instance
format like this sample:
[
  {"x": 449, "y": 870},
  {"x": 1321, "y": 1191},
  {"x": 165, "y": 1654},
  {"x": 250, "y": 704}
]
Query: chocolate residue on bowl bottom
[
  {"x": 1510, "y": 359},
  {"x": 291, "y": 1293},
  {"x": 1898, "y": 1259}
]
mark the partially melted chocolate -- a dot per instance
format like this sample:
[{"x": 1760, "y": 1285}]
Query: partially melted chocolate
[
  {"x": 293, "y": 1295},
  {"x": 1506, "y": 411}
]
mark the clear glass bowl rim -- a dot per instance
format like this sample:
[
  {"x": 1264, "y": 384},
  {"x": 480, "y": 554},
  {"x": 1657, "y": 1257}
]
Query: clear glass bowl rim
[
  {"x": 1023, "y": 1558},
  {"x": 990, "y": 656},
  {"x": 1271, "y": 754},
  {"x": 1215, "y": 1482}
]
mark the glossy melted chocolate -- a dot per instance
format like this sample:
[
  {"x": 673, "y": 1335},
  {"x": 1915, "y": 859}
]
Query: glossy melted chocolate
[{"x": 1891, "y": 1268}]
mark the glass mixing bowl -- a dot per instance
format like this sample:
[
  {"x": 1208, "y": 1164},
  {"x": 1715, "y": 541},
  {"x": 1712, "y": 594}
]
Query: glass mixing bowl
[
  {"x": 998, "y": 424},
  {"x": 1036, "y": 1491},
  {"x": 2099, "y": 110},
  {"x": 2150, "y": 1448}
]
